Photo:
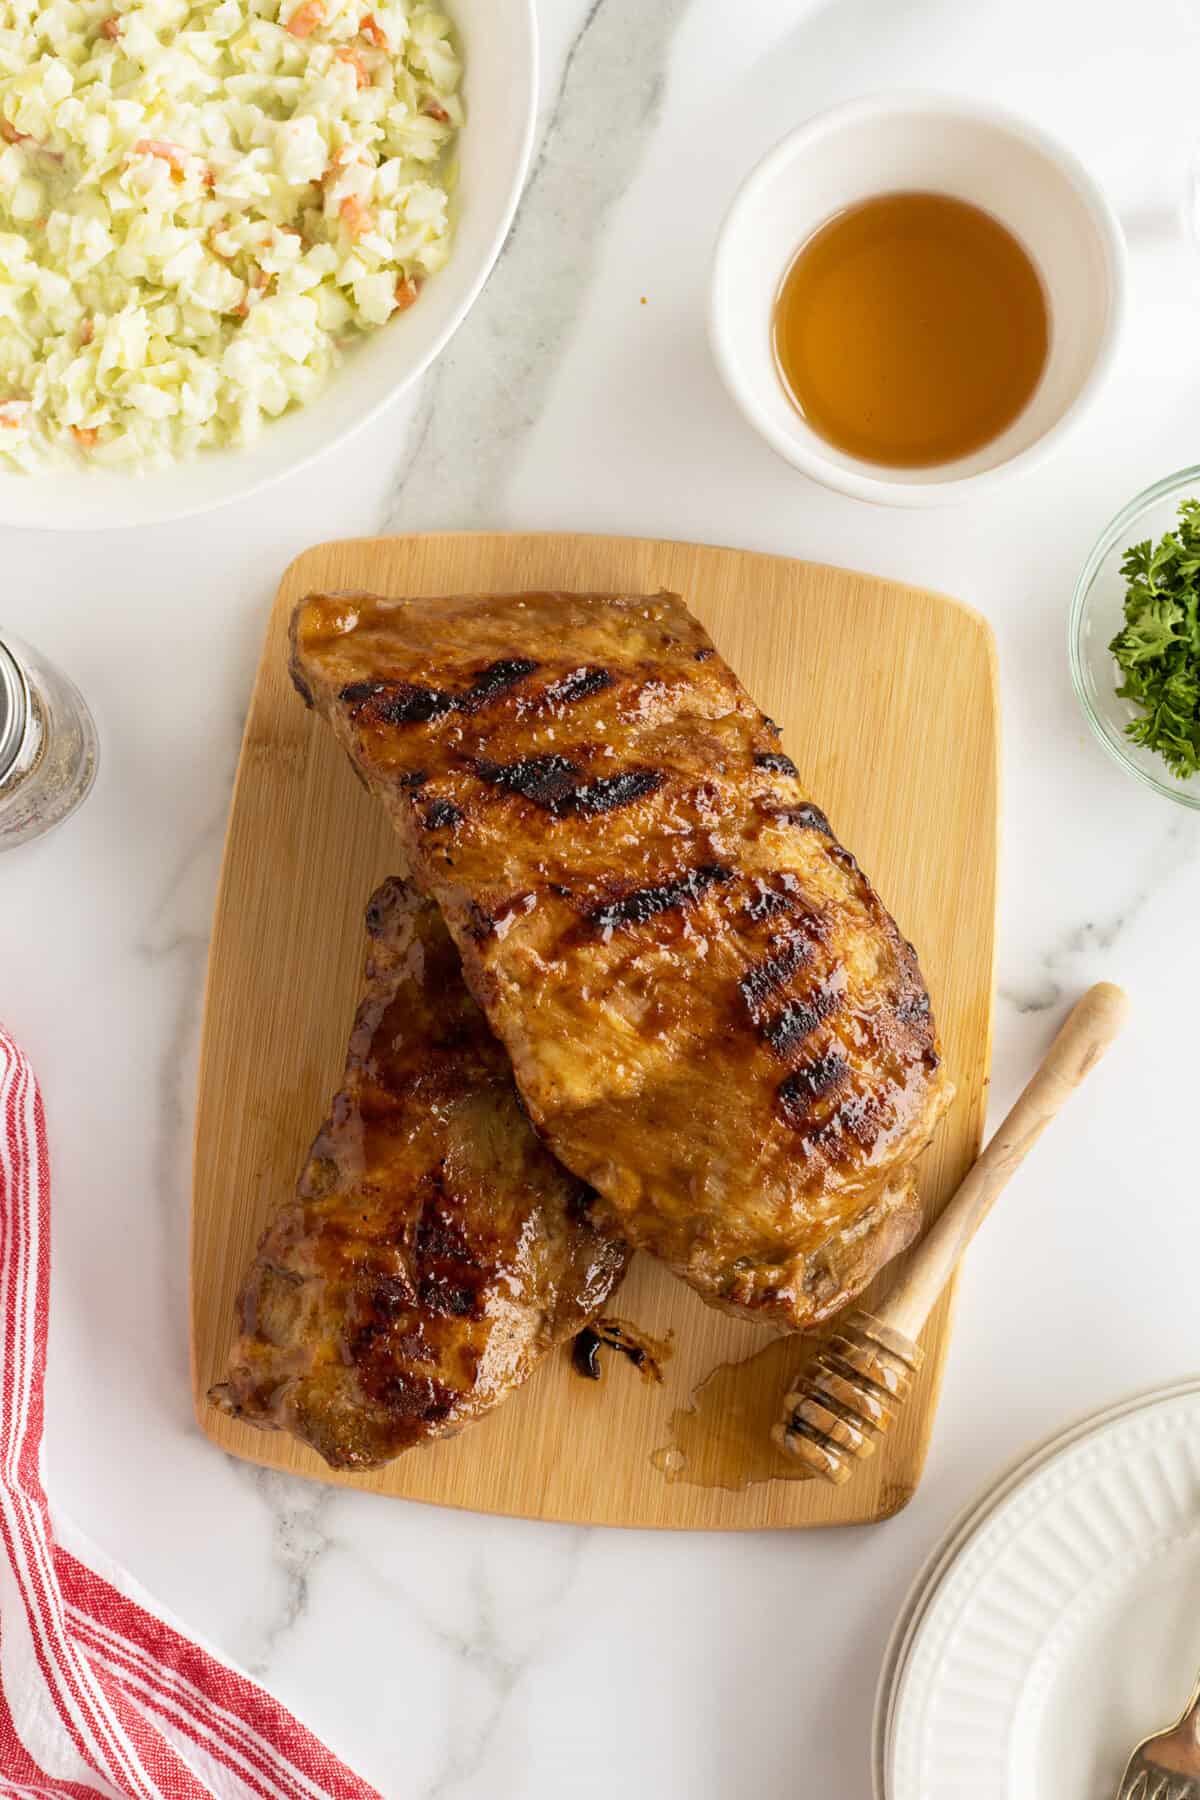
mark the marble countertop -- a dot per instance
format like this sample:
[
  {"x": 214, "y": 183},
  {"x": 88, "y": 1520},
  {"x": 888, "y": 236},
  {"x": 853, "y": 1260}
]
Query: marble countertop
[{"x": 454, "y": 1657}]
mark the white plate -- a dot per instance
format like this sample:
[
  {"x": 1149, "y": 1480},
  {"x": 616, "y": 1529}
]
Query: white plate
[
  {"x": 1059, "y": 1622},
  {"x": 499, "y": 40},
  {"x": 967, "y": 1521}
]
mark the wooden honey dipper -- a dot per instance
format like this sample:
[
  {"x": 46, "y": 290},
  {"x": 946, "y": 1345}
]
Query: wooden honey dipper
[{"x": 849, "y": 1395}]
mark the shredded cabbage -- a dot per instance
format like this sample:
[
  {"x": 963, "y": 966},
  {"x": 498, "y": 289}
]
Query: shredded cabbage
[{"x": 202, "y": 203}]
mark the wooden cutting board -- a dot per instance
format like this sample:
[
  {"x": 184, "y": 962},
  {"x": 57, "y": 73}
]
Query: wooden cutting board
[{"x": 887, "y": 699}]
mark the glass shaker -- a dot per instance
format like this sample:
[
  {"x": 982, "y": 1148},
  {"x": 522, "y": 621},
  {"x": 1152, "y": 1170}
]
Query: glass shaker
[{"x": 48, "y": 746}]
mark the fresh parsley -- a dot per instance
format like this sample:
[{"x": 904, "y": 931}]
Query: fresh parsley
[{"x": 1158, "y": 652}]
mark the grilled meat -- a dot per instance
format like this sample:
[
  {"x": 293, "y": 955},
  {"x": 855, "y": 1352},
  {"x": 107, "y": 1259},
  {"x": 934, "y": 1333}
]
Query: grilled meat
[
  {"x": 711, "y": 1017},
  {"x": 434, "y": 1250}
]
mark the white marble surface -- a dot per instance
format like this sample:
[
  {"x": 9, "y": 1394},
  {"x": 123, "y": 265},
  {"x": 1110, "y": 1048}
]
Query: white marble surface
[{"x": 455, "y": 1657}]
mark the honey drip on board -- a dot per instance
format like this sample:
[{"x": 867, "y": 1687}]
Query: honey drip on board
[
  {"x": 727, "y": 1425},
  {"x": 911, "y": 330}
]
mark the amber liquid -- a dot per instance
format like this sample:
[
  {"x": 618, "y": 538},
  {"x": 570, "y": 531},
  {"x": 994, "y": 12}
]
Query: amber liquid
[{"x": 911, "y": 330}]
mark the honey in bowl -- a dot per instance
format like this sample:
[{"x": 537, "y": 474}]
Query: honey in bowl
[{"x": 911, "y": 330}]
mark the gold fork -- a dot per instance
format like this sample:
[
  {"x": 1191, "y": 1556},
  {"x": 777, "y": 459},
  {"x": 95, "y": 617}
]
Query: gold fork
[{"x": 1167, "y": 1765}]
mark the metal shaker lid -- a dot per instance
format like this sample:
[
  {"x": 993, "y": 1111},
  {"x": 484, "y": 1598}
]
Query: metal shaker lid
[{"x": 14, "y": 710}]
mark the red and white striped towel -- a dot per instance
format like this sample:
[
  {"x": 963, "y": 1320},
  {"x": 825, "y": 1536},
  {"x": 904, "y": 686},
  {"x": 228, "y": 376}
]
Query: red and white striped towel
[{"x": 100, "y": 1696}]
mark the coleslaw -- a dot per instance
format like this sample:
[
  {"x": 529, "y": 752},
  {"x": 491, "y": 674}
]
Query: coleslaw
[{"x": 202, "y": 204}]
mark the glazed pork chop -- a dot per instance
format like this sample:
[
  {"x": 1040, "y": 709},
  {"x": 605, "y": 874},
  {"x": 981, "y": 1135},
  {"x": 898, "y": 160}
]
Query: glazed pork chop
[
  {"x": 434, "y": 1251},
  {"x": 712, "y": 1018}
]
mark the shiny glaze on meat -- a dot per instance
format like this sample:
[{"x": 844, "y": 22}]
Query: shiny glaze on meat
[
  {"x": 710, "y": 1014},
  {"x": 434, "y": 1251}
]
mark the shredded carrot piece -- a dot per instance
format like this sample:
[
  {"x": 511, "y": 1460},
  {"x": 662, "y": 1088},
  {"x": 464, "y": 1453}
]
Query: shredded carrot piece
[
  {"x": 87, "y": 332},
  {"x": 354, "y": 57},
  {"x": 406, "y": 293},
  {"x": 374, "y": 32},
  {"x": 356, "y": 217},
  {"x": 110, "y": 28},
  {"x": 11, "y": 135},
  {"x": 433, "y": 110},
  {"x": 306, "y": 18},
  {"x": 257, "y": 284},
  {"x": 173, "y": 154},
  {"x": 85, "y": 435}
]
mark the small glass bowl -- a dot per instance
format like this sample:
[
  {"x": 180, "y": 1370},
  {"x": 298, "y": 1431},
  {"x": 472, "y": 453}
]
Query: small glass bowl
[{"x": 1098, "y": 613}]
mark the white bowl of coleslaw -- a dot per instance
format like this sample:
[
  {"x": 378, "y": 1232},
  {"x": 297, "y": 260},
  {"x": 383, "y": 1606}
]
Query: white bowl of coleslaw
[{"x": 146, "y": 391}]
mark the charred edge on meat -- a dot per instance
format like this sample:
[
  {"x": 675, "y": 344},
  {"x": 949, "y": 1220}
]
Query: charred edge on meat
[
  {"x": 809, "y": 818},
  {"x": 480, "y": 923},
  {"x": 580, "y": 1200},
  {"x": 777, "y": 762},
  {"x": 912, "y": 1008},
  {"x": 644, "y": 904}
]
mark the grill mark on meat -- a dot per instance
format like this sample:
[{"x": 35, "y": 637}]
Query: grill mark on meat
[
  {"x": 857, "y": 1116},
  {"x": 390, "y": 1296},
  {"x": 789, "y": 1027},
  {"x": 495, "y": 680},
  {"x": 614, "y": 791},
  {"x": 395, "y": 702},
  {"x": 777, "y": 762},
  {"x": 554, "y": 784},
  {"x": 446, "y": 1297},
  {"x": 644, "y": 904},
  {"x": 811, "y": 1082},
  {"x": 580, "y": 684},
  {"x": 408, "y": 1396},
  {"x": 768, "y": 902},
  {"x": 400, "y": 703},
  {"x": 437, "y": 1234},
  {"x": 766, "y": 978},
  {"x": 704, "y": 652},
  {"x": 546, "y": 780},
  {"x": 441, "y": 815}
]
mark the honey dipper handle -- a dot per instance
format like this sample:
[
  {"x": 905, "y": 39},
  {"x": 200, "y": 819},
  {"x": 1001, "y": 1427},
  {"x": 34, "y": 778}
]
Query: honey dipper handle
[{"x": 1089, "y": 1029}]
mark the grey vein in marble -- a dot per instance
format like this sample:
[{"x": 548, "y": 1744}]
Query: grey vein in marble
[
  {"x": 481, "y": 1647},
  {"x": 491, "y": 384},
  {"x": 1176, "y": 850},
  {"x": 299, "y": 1538}
]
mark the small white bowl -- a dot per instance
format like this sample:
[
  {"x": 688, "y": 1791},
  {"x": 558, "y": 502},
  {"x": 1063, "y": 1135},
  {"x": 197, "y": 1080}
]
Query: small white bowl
[
  {"x": 937, "y": 143},
  {"x": 499, "y": 39}
]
